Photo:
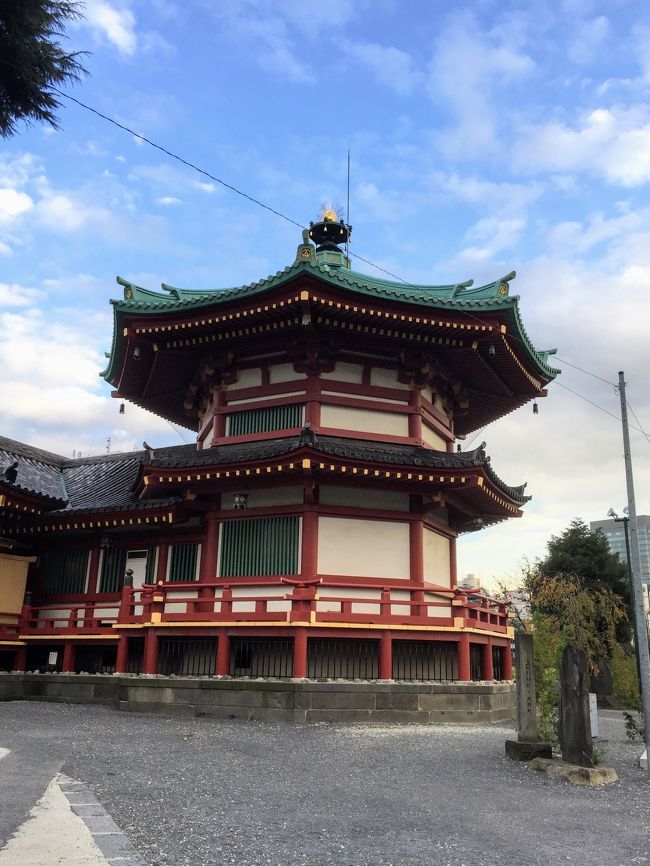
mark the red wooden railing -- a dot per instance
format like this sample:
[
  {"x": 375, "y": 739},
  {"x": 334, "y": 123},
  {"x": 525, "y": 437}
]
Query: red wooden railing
[{"x": 194, "y": 602}]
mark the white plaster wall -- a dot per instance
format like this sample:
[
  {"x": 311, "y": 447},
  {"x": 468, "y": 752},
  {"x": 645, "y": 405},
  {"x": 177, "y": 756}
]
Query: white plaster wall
[
  {"x": 363, "y": 548},
  {"x": 364, "y": 420},
  {"x": 264, "y": 399},
  {"x": 251, "y": 378},
  {"x": 436, "y": 558},
  {"x": 328, "y": 393},
  {"x": 344, "y": 372},
  {"x": 101, "y": 612},
  {"x": 284, "y": 373},
  {"x": 61, "y": 614},
  {"x": 396, "y": 595},
  {"x": 430, "y": 437},
  {"x": 386, "y": 379},
  {"x": 355, "y": 498},
  {"x": 281, "y": 605},
  {"x": 347, "y": 594},
  {"x": 268, "y": 496},
  {"x": 139, "y": 568}
]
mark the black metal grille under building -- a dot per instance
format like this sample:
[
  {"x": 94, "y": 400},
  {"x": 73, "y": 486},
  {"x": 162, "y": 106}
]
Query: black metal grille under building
[
  {"x": 187, "y": 657},
  {"x": 261, "y": 657},
  {"x": 425, "y": 660},
  {"x": 475, "y": 653},
  {"x": 497, "y": 662},
  {"x": 95, "y": 659},
  {"x": 338, "y": 658},
  {"x": 135, "y": 655}
]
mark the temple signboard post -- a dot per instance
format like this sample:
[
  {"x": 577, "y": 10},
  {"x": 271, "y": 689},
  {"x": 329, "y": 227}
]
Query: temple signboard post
[{"x": 526, "y": 746}]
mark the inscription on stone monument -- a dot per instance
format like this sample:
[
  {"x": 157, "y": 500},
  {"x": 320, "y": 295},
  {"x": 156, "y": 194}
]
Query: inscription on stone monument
[{"x": 526, "y": 697}]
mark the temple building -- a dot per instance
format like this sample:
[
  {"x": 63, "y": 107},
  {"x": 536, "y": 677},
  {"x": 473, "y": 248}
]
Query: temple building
[{"x": 311, "y": 530}]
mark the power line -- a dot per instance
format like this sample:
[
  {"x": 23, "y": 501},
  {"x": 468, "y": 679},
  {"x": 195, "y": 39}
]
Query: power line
[
  {"x": 178, "y": 158},
  {"x": 638, "y": 422},
  {"x": 361, "y": 258},
  {"x": 602, "y": 409}
]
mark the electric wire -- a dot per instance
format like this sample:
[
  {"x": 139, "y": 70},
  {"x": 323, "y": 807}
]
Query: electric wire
[
  {"x": 638, "y": 422},
  {"x": 361, "y": 258}
]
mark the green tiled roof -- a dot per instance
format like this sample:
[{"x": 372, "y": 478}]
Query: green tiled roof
[
  {"x": 459, "y": 297},
  {"x": 455, "y": 295}
]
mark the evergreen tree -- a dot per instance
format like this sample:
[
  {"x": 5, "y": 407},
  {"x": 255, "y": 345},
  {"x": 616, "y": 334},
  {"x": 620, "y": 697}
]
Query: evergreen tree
[
  {"x": 581, "y": 584},
  {"x": 32, "y": 61}
]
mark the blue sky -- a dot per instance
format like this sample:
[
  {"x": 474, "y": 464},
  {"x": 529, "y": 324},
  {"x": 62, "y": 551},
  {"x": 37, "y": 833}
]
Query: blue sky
[{"x": 485, "y": 137}]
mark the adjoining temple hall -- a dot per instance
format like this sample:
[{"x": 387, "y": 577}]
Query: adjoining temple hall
[{"x": 311, "y": 531}]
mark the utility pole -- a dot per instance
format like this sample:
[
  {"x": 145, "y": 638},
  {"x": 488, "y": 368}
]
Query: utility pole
[{"x": 635, "y": 566}]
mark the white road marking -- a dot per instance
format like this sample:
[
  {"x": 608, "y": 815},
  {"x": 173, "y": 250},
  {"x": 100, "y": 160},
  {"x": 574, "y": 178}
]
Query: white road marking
[{"x": 4, "y": 752}]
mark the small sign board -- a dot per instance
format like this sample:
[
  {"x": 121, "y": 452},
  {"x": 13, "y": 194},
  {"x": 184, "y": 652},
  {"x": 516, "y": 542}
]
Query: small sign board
[
  {"x": 52, "y": 658},
  {"x": 593, "y": 714}
]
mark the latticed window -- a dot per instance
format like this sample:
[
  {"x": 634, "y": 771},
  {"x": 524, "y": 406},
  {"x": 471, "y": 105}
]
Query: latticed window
[
  {"x": 183, "y": 562},
  {"x": 265, "y": 420},
  {"x": 113, "y": 568},
  {"x": 64, "y": 572},
  {"x": 264, "y": 545}
]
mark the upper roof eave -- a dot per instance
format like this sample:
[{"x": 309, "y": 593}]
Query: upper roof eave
[{"x": 461, "y": 297}]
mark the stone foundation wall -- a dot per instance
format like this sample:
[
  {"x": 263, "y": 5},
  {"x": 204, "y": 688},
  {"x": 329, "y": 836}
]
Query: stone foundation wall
[{"x": 301, "y": 701}]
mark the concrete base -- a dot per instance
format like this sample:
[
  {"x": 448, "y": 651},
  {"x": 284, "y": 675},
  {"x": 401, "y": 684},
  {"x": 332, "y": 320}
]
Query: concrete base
[
  {"x": 277, "y": 700},
  {"x": 521, "y": 751},
  {"x": 592, "y": 777}
]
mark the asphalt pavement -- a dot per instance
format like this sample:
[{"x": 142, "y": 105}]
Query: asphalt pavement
[{"x": 198, "y": 792}]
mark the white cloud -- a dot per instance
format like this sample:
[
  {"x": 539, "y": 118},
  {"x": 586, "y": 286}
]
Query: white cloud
[
  {"x": 15, "y": 295},
  {"x": 467, "y": 68},
  {"x": 167, "y": 200},
  {"x": 112, "y": 23},
  {"x": 484, "y": 192},
  {"x": 612, "y": 143},
  {"x": 491, "y": 235},
  {"x": 13, "y": 204},
  {"x": 390, "y": 66},
  {"x": 58, "y": 213},
  {"x": 276, "y": 33},
  {"x": 588, "y": 38}
]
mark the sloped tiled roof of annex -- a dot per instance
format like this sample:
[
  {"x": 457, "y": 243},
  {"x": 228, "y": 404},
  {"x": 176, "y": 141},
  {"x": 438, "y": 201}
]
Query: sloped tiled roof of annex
[
  {"x": 461, "y": 297},
  {"x": 103, "y": 483},
  {"x": 356, "y": 449},
  {"x": 107, "y": 482}
]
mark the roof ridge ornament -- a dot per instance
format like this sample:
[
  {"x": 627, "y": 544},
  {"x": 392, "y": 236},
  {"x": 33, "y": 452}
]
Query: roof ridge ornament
[{"x": 306, "y": 252}]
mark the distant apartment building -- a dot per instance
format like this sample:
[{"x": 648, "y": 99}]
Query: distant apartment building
[{"x": 614, "y": 532}]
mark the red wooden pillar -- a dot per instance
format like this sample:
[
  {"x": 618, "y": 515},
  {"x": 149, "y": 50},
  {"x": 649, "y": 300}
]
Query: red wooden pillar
[
  {"x": 416, "y": 555},
  {"x": 223, "y": 654},
  {"x": 219, "y": 422},
  {"x": 150, "y": 659},
  {"x": 464, "y": 669},
  {"x": 453, "y": 563},
  {"x": 93, "y": 578},
  {"x": 163, "y": 556},
  {"x": 20, "y": 659},
  {"x": 506, "y": 662},
  {"x": 68, "y": 657},
  {"x": 487, "y": 667},
  {"x": 209, "y": 549},
  {"x": 300, "y": 653},
  {"x": 209, "y": 554},
  {"x": 309, "y": 552},
  {"x": 312, "y": 414},
  {"x": 415, "y": 416},
  {"x": 121, "y": 659},
  {"x": 386, "y": 656}
]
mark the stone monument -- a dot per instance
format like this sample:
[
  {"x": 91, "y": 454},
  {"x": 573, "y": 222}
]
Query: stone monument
[
  {"x": 575, "y": 727},
  {"x": 526, "y": 746}
]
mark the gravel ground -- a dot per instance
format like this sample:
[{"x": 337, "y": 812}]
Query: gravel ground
[{"x": 197, "y": 792}]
